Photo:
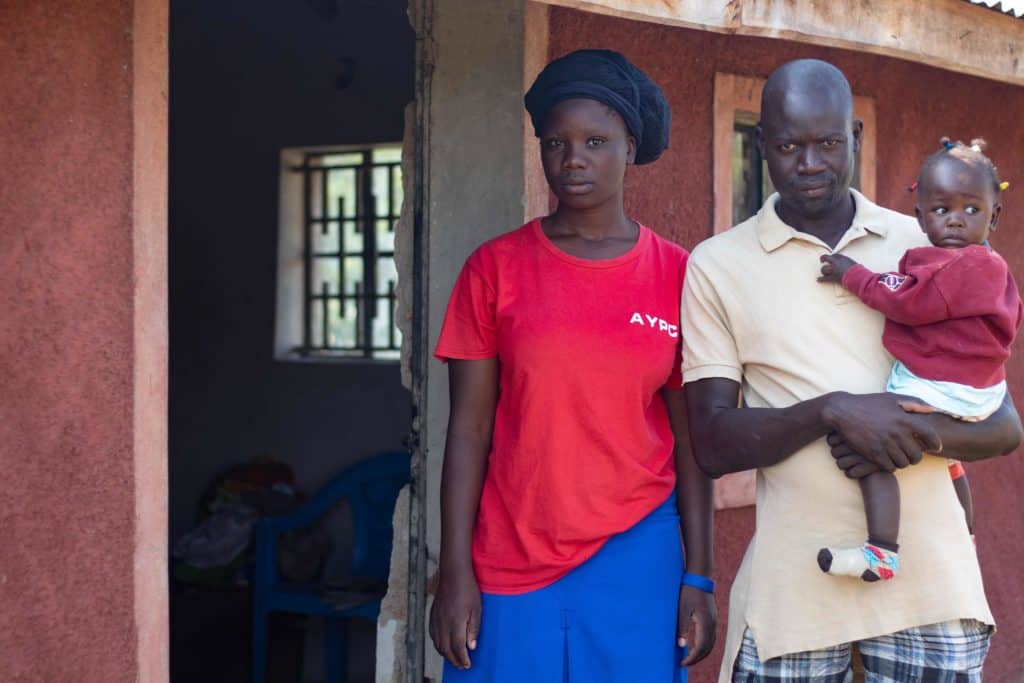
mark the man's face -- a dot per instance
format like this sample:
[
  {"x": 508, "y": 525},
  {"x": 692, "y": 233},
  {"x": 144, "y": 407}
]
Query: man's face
[{"x": 808, "y": 141}]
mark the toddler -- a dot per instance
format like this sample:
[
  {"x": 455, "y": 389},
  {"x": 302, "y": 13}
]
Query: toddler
[{"x": 952, "y": 311}]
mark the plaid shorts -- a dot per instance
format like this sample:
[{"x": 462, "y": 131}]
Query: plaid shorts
[{"x": 950, "y": 652}]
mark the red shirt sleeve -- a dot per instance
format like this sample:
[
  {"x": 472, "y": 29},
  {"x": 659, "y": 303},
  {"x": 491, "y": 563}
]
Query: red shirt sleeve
[
  {"x": 469, "y": 331},
  {"x": 910, "y": 296},
  {"x": 975, "y": 284}
]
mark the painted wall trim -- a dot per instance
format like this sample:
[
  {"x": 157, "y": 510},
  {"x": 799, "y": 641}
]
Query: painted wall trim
[
  {"x": 949, "y": 34},
  {"x": 150, "y": 336}
]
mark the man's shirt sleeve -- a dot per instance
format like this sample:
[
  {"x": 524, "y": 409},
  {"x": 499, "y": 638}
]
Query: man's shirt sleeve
[{"x": 709, "y": 346}]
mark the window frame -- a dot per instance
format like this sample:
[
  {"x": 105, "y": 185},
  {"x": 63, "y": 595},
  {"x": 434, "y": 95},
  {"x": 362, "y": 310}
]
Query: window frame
[{"x": 295, "y": 269}]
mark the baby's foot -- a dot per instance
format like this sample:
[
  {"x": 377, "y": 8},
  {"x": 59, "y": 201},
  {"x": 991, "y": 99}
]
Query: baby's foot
[{"x": 869, "y": 562}]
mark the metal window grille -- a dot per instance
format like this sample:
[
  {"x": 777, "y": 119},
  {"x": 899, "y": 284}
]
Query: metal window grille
[{"x": 352, "y": 200}]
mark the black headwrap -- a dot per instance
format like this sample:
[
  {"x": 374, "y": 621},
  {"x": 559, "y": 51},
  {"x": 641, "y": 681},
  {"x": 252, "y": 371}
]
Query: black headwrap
[{"x": 609, "y": 78}]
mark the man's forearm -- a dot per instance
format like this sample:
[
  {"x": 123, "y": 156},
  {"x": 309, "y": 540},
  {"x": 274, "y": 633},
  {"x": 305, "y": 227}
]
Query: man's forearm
[
  {"x": 999, "y": 434},
  {"x": 730, "y": 439}
]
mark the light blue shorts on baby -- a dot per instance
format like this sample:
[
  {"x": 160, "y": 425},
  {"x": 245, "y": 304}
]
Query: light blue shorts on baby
[{"x": 962, "y": 401}]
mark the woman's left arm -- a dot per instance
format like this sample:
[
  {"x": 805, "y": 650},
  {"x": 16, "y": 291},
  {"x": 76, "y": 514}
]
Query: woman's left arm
[{"x": 698, "y": 616}]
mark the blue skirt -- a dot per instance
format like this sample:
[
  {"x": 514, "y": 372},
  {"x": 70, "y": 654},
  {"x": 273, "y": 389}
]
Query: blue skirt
[{"x": 610, "y": 620}]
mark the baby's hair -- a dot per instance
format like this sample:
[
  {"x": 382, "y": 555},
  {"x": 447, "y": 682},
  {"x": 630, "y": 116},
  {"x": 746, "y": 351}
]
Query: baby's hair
[{"x": 972, "y": 154}]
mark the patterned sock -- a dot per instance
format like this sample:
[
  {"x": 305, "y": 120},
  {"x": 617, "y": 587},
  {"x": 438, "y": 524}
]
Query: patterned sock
[{"x": 869, "y": 562}]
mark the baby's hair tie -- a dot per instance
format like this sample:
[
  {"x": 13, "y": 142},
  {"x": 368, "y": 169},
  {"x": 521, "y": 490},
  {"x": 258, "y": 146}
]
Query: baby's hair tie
[
  {"x": 948, "y": 144},
  {"x": 913, "y": 187},
  {"x": 1003, "y": 186}
]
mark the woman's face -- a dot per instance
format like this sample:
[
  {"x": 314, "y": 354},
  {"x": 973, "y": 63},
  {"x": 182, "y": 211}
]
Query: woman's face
[{"x": 584, "y": 148}]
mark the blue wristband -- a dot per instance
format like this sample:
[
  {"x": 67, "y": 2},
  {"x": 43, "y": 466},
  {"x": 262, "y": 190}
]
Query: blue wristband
[{"x": 699, "y": 582}]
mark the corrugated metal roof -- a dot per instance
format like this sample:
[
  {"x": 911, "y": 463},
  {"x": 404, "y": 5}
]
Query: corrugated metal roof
[{"x": 1012, "y": 7}]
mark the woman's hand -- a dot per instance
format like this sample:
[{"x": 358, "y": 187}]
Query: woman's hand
[
  {"x": 834, "y": 267},
  {"x": 455, "y": 617},
  {"x": 696, "y": 625}
]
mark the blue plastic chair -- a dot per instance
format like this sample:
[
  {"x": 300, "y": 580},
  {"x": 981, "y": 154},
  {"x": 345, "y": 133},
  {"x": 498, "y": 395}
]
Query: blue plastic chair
[{"x": 371, "y": 488}]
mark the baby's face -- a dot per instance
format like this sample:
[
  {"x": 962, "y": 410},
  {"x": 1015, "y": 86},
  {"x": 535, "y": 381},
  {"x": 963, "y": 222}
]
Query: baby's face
[{"x": 957, "y": 205}]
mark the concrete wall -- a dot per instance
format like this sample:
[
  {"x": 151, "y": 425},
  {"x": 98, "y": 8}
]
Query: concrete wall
[
  {"x": 915, "y": 105},
  {"x": 83, "y": 341},
  {"x": 476, "y": 184},
  {"x": 248, "y": 78}
]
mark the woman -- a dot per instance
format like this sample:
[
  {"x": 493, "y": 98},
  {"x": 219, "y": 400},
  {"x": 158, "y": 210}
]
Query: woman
[{"x": 560, "y": 552}]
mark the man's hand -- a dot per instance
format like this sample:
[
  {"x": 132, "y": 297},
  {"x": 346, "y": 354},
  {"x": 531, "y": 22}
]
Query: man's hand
[
  {"x": 876, "y": 429},
  {"x": 853, "y": 464},
  {"x": 696, "y": 624},
  {"x": 455, "y": 617},
  {"x": 834, "y": 267}
]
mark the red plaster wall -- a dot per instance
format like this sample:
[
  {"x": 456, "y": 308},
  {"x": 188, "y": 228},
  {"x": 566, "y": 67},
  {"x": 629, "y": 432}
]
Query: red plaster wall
[
  {"x": 915, "y": 106},
  {"x": 69, "y": 398}
]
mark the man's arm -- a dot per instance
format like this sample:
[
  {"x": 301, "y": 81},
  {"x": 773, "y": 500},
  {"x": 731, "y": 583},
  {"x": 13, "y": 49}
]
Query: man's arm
[
  {"x": 999, "y": 434},
  {"x": 730, "y": 439}
]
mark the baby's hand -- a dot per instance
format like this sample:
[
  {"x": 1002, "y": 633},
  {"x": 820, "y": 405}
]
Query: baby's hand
[{"x": 834, "y": 267}]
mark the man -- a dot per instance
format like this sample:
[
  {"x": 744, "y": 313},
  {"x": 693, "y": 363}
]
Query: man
[{"x": 809, "y": 359}]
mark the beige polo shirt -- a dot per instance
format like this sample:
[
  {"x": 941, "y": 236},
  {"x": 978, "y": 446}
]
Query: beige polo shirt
[{"x": 753, "y": 312}]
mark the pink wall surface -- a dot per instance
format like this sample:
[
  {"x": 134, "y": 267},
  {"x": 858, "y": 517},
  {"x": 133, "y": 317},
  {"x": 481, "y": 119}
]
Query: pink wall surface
[
  {"x": 915, "y": 106},
  {"x": 82, "y": 342}
]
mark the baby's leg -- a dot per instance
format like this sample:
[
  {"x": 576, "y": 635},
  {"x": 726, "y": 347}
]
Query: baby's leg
[
  {"x": 877, "y": 558},
  {"x": 963, "y": 492}
]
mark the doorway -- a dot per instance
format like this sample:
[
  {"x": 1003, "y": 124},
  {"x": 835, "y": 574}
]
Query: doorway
[{"x": 250, "y": 81}]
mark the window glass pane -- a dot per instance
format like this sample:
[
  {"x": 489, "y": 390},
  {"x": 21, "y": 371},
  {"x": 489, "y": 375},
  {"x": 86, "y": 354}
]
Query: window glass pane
[
  {"x": 353, "y": 273},
  {"x": 325, "y": 237},
  {"x": 341, "y": 192},
  {"x": 385, "y": 237},
  {"x": 397, "y": 191},
  {"x": 342, "y": 159},
  {"x": 385, "y": 335},
  {"x": 353, "y": 239},
  {"x": 326, "y": 271},
  {"x": 382, "y": 154},
  {"x": 386, "y": 273},
  {"x": 316, "y": 323},
  {"x": 746, "y": 174},
  {"x": 343, "y": 329},
  {"x": 381, "y": 175}
]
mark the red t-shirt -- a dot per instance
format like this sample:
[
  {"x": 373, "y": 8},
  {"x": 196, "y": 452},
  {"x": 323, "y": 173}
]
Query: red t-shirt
[
  {"x": 951, "y": 314},
  {"x": 582, "y": 446}
]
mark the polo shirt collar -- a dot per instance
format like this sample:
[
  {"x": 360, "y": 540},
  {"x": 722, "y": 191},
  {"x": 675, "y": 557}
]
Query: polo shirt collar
[{"x": 772, "y": 232}]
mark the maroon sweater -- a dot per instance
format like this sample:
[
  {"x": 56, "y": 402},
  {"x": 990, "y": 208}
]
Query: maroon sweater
[{"x": 951, "y": 314}]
